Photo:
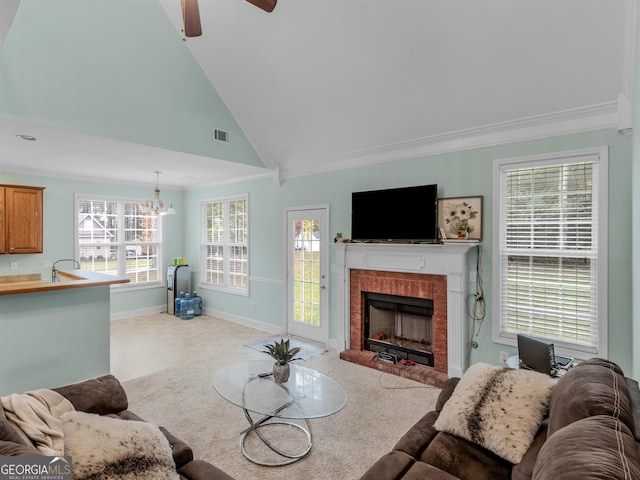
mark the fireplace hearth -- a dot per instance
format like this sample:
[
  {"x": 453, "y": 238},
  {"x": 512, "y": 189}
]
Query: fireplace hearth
[{"x": 399, "y": 327}]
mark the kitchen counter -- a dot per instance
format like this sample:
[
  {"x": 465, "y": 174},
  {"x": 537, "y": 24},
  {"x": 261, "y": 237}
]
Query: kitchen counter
[
  {"x": 54, "y": 333},
  {"x": 67, "y": 279}
]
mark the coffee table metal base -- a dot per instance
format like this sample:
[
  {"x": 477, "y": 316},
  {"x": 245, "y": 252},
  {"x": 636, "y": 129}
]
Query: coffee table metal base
[{"x": 287, "y": 457}]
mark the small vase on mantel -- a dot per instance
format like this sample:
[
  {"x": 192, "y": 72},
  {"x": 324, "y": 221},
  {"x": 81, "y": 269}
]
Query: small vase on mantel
[{"x": 281, "y": 372}]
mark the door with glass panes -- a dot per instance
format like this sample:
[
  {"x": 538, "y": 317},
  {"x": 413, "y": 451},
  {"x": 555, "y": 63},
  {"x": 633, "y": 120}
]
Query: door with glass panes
[{"x": 307, "y": 282}]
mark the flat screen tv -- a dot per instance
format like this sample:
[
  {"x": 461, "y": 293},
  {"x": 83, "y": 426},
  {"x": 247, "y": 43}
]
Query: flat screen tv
[{"x": 407, "y": 214}]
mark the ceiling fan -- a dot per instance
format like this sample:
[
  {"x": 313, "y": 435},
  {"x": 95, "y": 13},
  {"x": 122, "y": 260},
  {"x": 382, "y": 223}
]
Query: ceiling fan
[{"x": 191, "y": 14}]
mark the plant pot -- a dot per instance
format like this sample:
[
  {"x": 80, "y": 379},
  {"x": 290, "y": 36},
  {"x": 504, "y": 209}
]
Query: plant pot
[
  {"x": 281, "y": 372},
  {"x": 463, "y": 234}
]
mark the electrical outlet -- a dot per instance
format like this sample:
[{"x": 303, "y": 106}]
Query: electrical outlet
[
  {"x": 503, "y": 357},
  {"x": 46, "y": 263},
  {"x": 14, "y": 265},
  {"x": 472, "y": 275}
]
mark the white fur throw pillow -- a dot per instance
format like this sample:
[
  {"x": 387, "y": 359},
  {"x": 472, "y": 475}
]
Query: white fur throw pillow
[
  {"x": 497, "y": 408},
  {"x": 104, "y": 448}
]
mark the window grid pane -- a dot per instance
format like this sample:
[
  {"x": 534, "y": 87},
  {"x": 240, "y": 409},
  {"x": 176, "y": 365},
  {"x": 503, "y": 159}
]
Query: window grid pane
[
  {"x": 114, "y": 237},
  {"x": 225, "y": 244},
  {"x": 214, "y": 265},
  {"x": 550, "y": 297},
  {"x": 550, "y": 207},
  {"x": 549, "y": 253},
  {"x": 306, "y": 272}
]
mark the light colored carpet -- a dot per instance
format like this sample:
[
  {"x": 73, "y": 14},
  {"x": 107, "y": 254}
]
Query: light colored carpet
[
  {"x": 307, "y": 350},
  {"x": 182, "y": 399}
]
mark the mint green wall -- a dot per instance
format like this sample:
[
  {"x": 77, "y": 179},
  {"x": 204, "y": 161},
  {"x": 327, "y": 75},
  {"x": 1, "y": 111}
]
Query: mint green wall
[
  {"x": 58, "y": 231},
  {"x": 148, "y": 90},
  {"x": 457, "y": 174}
]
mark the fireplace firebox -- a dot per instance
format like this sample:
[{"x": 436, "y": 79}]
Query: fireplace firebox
[{"x": 399, "y": 327}]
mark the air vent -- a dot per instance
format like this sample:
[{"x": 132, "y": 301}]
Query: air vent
[{"x": 220, "y": 135}]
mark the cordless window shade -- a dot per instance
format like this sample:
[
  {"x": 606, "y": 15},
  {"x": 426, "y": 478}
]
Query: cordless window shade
[{"x": 548, "y": 249}]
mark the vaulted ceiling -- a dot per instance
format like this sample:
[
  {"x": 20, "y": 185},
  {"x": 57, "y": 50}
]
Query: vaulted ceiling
[{"x": 112, "y": 90}]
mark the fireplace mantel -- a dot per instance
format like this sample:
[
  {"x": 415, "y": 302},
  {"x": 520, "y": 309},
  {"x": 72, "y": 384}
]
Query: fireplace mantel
[{"x": 449, "y": 260}]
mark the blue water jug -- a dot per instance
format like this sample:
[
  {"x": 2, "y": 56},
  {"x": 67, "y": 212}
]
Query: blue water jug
[
  {"x": 197, "y": 304},
  {"x": 177, "y": 303},
  {"x": 186, "y": 308}
]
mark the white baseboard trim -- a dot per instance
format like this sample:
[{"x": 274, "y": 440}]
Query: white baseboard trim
[
  {"x": 137, "y": 313},
  {"x": 247, "y": 322},
  {"x": 334, "y": 343}
]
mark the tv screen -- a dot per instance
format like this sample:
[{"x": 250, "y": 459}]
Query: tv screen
[{"x": 407, "y": 214}]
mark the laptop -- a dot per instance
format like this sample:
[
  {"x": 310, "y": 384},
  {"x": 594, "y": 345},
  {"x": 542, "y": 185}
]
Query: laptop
[{"x": 540, "y": 356}]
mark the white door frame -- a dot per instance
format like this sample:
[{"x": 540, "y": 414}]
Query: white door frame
[{"x": 322, "y": 334}]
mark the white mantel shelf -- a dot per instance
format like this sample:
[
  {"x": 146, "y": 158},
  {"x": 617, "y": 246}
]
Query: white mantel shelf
[{"x": 449, "y": 260}]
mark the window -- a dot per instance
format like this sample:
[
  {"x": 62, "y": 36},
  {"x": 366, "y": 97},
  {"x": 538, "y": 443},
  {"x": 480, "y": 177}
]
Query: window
[
  {"x": 113, "y": 236},
  {"x": 224, "y": 248},
  {"x": 550, "y": 269}
]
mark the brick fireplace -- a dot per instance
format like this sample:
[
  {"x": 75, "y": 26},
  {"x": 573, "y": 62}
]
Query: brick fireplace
[
  {"x": 436, "y": 272},
  {"x": 430, "y": 287}
]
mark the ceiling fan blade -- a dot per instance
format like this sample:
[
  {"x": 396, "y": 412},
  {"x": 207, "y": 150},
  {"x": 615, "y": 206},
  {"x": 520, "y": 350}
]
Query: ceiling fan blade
[
  {"x": 266, "y": 5},
  {"x": 191, "y": 18}
]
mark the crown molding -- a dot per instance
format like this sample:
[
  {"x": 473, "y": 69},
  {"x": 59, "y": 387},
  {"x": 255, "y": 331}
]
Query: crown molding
[{"x": 566, "y": 122}]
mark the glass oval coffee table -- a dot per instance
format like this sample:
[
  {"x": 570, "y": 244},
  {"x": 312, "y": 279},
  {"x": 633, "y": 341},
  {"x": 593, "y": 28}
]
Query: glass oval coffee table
[{"x": 307, "y": 394}]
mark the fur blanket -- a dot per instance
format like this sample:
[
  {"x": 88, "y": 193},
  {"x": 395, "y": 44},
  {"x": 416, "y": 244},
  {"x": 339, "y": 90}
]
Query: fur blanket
[
  {"x": 104, "y": 448},
  {"x": 37, "y": 414}
]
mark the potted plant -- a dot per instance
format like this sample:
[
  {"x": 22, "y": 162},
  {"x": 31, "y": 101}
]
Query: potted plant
[{"x": 283, "y": 354}]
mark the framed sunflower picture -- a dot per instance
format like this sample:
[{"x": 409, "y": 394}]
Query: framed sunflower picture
[{"x": 460, "y": 218}]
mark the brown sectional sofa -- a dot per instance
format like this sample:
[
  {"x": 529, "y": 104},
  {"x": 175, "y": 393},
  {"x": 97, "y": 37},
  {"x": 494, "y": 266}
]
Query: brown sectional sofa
[
  {"x": 106, "y": 396},
  {"x": 592, "y": 431}
]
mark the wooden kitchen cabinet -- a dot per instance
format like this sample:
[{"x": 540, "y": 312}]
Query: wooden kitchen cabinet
[{"x": 20, "y": 219}]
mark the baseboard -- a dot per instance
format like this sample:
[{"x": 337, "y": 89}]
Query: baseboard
[
  {"x": 138, "y": 312},
  {"x": 247, "y": 322},
  {"x": 334, "y": 343}
]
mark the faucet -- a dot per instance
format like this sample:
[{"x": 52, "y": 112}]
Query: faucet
[{"x": 54, "y": 270}]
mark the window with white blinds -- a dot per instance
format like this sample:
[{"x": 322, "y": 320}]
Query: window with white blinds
[
  {"x": 224, "y": 245},
  {"x": 551, "y": 264}
]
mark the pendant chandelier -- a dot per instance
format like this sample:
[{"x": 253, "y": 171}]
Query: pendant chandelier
[{"x": 156, "y": 206}]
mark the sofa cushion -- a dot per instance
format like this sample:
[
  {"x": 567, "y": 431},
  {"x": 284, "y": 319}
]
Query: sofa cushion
[
  {"x": 100, "y": 395},
  {"x": 391, "y": 465},
  {"x": 464, "y": 459},
  {"x": 422, "y": 471},
  {"x": 587, "y": 390},
  {"x": 597, "y": 448},
  {"x": 524, "y": 469},
  {"x": 447, "y": 390},
  {"x": 497, "y": 408},
  {"x": 106, "y": 448},
  {"x": 419, "y": 436},
  {"x": 12, "y": 449},
  {"x": 634, "y": 395}
]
